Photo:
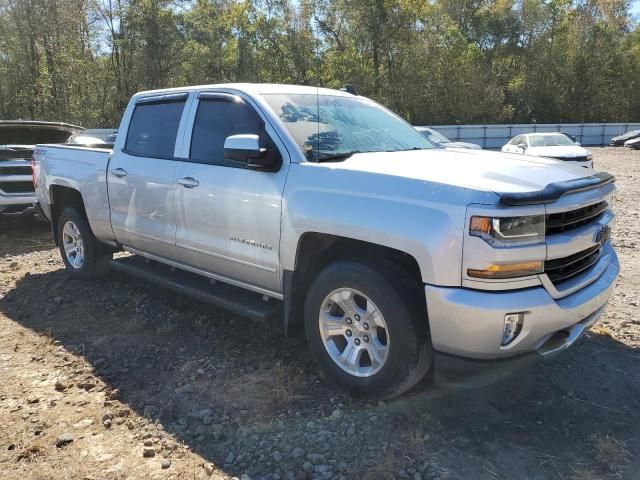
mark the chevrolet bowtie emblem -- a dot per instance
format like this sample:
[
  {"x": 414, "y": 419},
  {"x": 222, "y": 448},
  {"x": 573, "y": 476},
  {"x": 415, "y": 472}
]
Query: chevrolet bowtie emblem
[{"x": 602, "y": 234}]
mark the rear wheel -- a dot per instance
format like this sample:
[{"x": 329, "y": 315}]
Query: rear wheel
[
  {"x": 365, "y": 332},
  {"x": 83, "y": 255}
]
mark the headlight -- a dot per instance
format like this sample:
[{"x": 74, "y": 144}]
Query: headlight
[{"x": 508, "y": 231}]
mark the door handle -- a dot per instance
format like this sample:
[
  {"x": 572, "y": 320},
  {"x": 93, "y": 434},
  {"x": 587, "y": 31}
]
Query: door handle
[
  {"x": 188, "y": 182},
  {"x": 119, "y": 172}
]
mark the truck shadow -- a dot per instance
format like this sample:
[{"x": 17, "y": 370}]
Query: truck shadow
[
  {"x": 245, "y": 397},
  {"x": 22, "y": 234}
]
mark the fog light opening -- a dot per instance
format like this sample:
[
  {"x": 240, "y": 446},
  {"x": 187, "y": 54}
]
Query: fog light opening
[{"x": 512, "y": 327}]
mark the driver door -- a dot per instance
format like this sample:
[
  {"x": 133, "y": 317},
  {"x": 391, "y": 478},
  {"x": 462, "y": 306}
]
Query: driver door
[{"x": 228, "y": 215}]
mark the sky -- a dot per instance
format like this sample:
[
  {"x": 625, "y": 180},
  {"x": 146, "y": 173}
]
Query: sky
[{"x": 635, "y": 7}]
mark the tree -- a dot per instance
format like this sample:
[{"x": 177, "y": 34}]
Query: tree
[{"x": 440, "y": 61}]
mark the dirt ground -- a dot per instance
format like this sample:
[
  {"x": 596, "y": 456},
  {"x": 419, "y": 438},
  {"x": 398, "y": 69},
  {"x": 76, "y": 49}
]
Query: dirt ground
[{"x": 116, "y": 379}]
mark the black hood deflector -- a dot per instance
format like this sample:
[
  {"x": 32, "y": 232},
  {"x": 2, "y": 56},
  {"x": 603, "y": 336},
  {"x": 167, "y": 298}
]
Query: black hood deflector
[{"x": 554, "y": 191}]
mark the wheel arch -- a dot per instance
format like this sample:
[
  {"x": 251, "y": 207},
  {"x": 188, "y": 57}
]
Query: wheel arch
[
  {"x": 62, "y": 197},
  {"x": 316, "y": 250}
]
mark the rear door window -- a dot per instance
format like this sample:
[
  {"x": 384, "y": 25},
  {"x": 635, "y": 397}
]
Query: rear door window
[{"x": 154, "y": 127}]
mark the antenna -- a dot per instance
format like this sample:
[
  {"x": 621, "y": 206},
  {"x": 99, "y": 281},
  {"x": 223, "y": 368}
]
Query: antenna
[
  {"x": 349, "y": 89},
  {"x": 317, "y": 34}
]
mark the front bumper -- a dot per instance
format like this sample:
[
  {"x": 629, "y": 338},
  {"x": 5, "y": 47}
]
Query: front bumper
[
  {"x": 453, "y": 369},
  {"x": 467, "y": 325}
]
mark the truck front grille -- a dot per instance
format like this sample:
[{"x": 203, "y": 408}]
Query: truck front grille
[
  {"x": 16, "y": 187},
  {"x": 561, "y": 269},
  {"x": 15, "y": 170},
  {"x": 572, "y": 159},
  {"x": 564, "y": 221}
]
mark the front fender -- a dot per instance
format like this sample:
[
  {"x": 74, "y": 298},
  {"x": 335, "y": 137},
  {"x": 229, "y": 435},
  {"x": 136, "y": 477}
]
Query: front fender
[{"x": 422, "y": 219}]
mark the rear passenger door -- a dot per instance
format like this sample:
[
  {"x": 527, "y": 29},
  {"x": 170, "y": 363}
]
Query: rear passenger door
[
  {"x": 228, "y": 215},
  {"x": 141, "y": 176}
]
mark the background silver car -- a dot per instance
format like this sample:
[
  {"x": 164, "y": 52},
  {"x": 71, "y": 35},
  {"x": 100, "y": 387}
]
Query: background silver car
[{"x": 442, "y": 141}]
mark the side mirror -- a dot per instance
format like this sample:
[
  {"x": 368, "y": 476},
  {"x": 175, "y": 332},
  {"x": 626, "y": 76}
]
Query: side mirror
[
  {"x": 246, "y": 148},
  {"x": 522, "y": 146},
  {"x": 578, "y": 143}
]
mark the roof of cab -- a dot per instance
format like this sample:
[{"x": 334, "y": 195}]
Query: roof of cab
[
  {"x": 253, "y": 89},
  {"x": 540, "y": 134}
]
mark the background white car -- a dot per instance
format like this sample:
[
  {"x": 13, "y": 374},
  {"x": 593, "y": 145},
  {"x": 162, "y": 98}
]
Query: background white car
[
  {"x": 550, "y": 145},
  {"x": 94, "y": 136},
  {"x": 633, "y": 143}
]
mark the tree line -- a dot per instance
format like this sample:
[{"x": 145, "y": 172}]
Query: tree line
[{"x": 432, "y": 61}]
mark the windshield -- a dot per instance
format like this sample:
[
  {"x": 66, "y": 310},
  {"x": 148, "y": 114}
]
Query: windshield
[
  {"x": 326, "y": 126},
  {"x": 433, "y": 136},
  {"x": 550, "y": 141}
]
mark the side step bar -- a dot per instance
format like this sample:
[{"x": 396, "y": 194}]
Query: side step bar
[{"x": 234, "y": 299}]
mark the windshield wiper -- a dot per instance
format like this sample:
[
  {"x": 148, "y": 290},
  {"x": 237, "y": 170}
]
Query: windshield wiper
[
  {"x": 409, "y": 149},
  {"x": 336, "y": 156}
]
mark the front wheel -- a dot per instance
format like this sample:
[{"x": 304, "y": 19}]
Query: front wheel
[
  {"x": 83, "y": 255},
  {"x": 365, "y": 332}
]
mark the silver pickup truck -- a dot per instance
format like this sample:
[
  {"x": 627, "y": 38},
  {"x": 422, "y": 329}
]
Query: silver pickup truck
[{"x": 327, "y": 211}]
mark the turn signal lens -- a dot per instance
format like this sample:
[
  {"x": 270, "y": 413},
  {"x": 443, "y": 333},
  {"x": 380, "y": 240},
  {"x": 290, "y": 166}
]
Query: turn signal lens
[
  {"x": 511, "y": 270},
  {"x": 34, "y": 178},
  {"x": 480, "y": 225}
]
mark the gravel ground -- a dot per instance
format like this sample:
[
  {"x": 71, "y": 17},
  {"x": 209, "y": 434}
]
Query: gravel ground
[{"x": 116, "y": 379}]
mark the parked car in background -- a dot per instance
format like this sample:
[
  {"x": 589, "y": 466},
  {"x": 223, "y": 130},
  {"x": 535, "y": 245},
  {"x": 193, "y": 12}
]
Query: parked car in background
[
  {"x": 633, "y": 143},
  {"x": 440, "y": 140},
  {"x": 95, "y": 136},
  {"x": 86, "y": 140},
  {"x": 550, "y": 145},
  {"x": 620, "y": 140},
  {"x": 320, "y": 209},
  {"x": 17, "y": 141}
]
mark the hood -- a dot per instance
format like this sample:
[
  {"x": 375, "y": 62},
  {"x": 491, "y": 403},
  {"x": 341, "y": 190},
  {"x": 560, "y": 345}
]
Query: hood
[
  {"x": 558, "y": 151},
  {"x": 626, "y": 136},
  {"x": 462, "y": 145},
  {"x": 481, "y": 170}
]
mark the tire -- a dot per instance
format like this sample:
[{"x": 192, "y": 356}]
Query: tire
[
  {"x": 362, "y": 291},
  {"x": 91, "y": 258}
]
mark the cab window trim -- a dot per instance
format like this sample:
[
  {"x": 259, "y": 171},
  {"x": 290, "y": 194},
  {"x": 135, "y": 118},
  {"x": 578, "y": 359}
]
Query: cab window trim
[
  {"x": 167, "y": 98},
  {"x": 157, "y": 100},
  {"x": 224, "y": 97}
]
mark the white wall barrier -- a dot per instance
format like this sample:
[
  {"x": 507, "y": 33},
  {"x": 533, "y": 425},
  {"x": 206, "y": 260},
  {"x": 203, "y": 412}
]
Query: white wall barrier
[{"x": 495, "y": 136}]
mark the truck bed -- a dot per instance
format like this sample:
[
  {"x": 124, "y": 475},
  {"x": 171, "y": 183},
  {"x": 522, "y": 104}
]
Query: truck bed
[{"x": 79, "y": 167}]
